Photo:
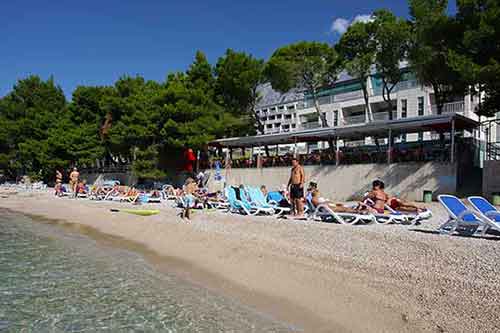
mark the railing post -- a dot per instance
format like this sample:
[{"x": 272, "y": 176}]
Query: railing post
[
  {"x": 452, "y": 153},
  {"x": 389, "y": 147}
]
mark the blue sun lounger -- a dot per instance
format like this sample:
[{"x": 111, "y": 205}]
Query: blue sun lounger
[
  {"x": 258, "y": 197},
  {"x": 235, "y": 205},
  {"x": 257, "y": 202},
  {"x": 461, "y": 220},
  {"x": 489, "y": 213}
]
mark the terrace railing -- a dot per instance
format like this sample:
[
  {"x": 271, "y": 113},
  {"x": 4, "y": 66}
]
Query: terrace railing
[
  {"x": 454, "y": 107},
  {"x": 353, "y": 120}
]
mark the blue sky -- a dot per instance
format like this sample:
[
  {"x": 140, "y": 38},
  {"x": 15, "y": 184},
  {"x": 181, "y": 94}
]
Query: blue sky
[{"x": 95, "y": 42}]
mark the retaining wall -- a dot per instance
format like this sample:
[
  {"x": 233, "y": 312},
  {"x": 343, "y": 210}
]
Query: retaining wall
[
  {"x": 491, "y": 178},
  {"x": 350, "y": 182}
]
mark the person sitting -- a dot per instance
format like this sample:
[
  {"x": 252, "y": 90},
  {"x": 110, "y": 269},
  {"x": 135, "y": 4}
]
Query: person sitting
[
  {"x": 264, "y": 191},
  {"x": 377, "y": 198}
]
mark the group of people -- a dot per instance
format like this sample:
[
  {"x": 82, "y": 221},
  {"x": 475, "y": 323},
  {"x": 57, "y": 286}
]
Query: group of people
[
  {"x": 76, "y": 185},
  {"x": 374, "y": 201}
]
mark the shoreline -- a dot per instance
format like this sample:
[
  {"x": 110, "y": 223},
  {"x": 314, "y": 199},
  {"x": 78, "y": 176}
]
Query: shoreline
[{"x": 310, "y": 275}]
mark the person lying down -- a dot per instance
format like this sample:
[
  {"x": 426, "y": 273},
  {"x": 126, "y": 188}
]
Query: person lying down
[{"x": 315, "y": 197}]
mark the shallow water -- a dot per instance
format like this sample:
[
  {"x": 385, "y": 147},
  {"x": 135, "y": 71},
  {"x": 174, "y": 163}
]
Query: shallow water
[{"x": 55, "y": 280}]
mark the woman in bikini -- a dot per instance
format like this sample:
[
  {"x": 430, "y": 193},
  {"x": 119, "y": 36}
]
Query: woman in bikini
[{"x": 378, "y": 197}]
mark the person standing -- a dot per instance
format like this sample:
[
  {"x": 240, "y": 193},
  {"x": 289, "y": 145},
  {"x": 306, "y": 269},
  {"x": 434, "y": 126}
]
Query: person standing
[
  {"x": 296, "y": 188},
  {"x": 73, "y": 180},
  {"x": 189, "y": 161}
]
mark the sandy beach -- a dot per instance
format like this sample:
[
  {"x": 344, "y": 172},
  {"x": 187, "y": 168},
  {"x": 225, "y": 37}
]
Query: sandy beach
[{"x": 318, "y": 277}]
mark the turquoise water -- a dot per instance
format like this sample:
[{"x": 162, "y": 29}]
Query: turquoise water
[{"x": 55, "y": 280}]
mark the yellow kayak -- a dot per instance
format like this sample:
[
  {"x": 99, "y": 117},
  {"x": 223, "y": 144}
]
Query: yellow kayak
[{"x": 141, "y": 212}]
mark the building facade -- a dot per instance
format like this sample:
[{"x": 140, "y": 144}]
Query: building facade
[{"x": 344, "y": 105}]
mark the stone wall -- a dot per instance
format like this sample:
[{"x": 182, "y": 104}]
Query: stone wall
[{"x": 348, "y": 182}]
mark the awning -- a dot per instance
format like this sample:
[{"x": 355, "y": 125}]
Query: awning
[{"x": 438, "y": 123}]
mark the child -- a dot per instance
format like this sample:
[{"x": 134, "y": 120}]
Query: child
[{"x": 189, "y": 198}]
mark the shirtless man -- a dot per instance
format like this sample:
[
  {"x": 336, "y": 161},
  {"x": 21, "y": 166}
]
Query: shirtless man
[
  {"x": 73, "y": 180},
  {"x": 296, "y": 188}
]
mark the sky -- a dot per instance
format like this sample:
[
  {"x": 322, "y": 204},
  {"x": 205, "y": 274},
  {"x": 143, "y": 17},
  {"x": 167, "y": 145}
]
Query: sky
[{"x": 94, "y": 42}]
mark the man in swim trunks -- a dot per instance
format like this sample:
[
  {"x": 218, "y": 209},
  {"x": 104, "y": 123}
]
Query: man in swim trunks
[{"x": 296, "y": 188}]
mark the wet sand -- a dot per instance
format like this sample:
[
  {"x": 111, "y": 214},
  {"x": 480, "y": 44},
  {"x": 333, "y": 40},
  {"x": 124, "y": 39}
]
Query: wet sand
[{"x": 316, "y": 276}]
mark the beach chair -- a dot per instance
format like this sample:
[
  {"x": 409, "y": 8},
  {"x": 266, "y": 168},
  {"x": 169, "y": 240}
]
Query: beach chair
[
  {"x": 324, "y": 213},
  {"x": 274, "y": 198},
  {"x": 258, "y": 198},
  {"x": 489, "y": 213},
  {"x": 461, "y": 220},
  {"x": 258, "y": 206},
  {"x": 391, "y": 217},
  {"x": 235, "y": 205}
]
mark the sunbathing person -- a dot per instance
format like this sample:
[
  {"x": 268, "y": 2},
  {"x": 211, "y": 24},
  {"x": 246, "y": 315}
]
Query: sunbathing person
[
  {"x": 378, "y": 198},
  {"x": 405, "y": 206},
  {"x": 316, "y": 200}
]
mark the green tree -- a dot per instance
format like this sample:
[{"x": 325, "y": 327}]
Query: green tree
[
  {"x": 238, "y": 77},
  {"x": 310, "y": 66},
  {"x": 433, "y": 34},
  {"x": 357, "y": 47},
  {"x": 392, "y": 36},
  {"x": 477, "y": 57}
]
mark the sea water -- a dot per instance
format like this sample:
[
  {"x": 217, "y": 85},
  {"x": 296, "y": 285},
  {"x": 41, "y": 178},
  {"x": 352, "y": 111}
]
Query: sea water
[{"x": 56, "y": 280}]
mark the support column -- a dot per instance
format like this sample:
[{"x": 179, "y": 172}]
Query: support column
[
  {"x": 389, "y": 147},
  {"x": 452, "y": 152}
]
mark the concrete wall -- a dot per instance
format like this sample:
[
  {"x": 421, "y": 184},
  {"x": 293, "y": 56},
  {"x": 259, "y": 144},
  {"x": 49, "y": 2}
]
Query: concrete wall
[
  {"x": 348, "y": 182},
  {"x": 491, "y": 178}
]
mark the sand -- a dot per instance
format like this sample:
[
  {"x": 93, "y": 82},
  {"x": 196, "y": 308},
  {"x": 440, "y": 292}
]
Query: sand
[{"x": 318, "y": 277}]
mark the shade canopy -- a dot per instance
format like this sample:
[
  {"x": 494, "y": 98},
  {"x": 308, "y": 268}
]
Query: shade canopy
[{"x": 438, "y": 123}]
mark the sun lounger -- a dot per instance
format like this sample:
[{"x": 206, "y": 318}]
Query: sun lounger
[
  {"x": 258, "y": 206},
  {"x": 488, "y": 212},
  {"x": 323, "y": 212},
  {"x": 274, "y": 199},
  {"x": 259, "y": 199},
  {"x": 461, "y": 219},
  {"x": 235, "y": 205}
]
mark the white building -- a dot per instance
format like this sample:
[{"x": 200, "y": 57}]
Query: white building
[{"x": 344, "y": 106}]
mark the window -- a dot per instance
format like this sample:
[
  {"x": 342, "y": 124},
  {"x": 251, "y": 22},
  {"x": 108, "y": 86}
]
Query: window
[
  {"x": 281, "y": 107},
  {"x": 263, "y": 110},
  {"x": 404, "y": 108},
  {"x": 263, "y": 118},
  {"x": 273, "y": 109},
  {"x": 291, "y": 107},
  {"x": 278, "y": 116},
  {"x": 293, "y": 125},
  {"x": 269, "y": 126},
  {"x": 288, "y": 116},
  {"x": 421, "y": 106},
  {"x": 272, "y": 117},
  {"x": 336, "y": 118}
]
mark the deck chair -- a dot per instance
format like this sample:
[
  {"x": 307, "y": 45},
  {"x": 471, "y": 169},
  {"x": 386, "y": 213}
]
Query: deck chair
[
  {"x": 235, "y": 205},
  {"x": 324, "y": 213},
  {"x": 259, "y": 198},
  {"x": 391, "y": 217},
  {"x": 274, "y": 198},
  {"x": 256, "y": 203},
  {"x": 489, "y": 213},
  {"x": 461, "y": 220}
]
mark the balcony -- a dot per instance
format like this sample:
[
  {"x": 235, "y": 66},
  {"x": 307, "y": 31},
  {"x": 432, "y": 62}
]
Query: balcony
[
  {"x": 348, "y": 96},
  {"x": 310, "y": 125},
  {"x": 455, "y": 107},
  {"x": 354, "y": 120},
  {"x": 383, "y": 116}
]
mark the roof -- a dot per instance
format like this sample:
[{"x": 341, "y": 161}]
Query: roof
[{"x": 439, "y": 123}]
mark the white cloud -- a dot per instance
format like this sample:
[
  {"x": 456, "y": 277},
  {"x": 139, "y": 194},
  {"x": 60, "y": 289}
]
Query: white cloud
[
  {"x": 341, "y": 24},
  {"x": 362, "y": 18}
]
